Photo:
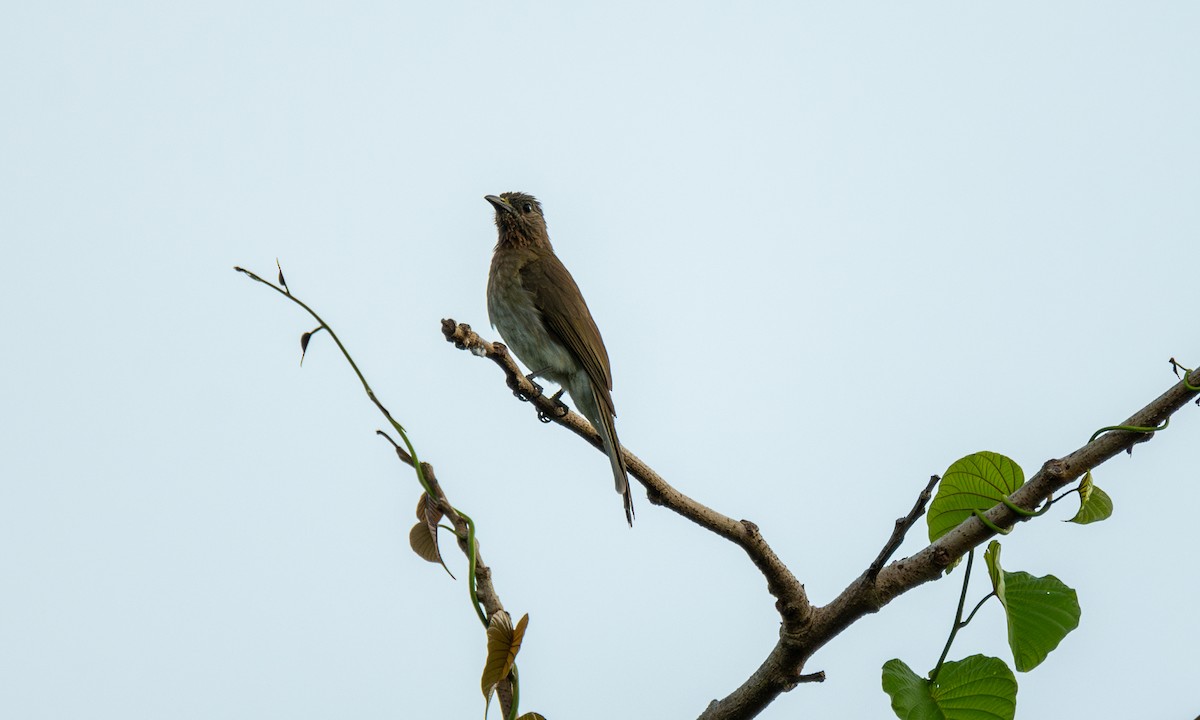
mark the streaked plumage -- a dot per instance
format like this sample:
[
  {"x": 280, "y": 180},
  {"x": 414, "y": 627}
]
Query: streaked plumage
[{"x": 540, "y": 313}]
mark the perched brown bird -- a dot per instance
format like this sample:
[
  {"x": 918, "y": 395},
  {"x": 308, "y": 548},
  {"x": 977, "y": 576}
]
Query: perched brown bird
[{"x": 537, "y": 307}]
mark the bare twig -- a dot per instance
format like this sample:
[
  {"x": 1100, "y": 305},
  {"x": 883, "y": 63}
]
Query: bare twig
[{"x": 485, "y": 591}]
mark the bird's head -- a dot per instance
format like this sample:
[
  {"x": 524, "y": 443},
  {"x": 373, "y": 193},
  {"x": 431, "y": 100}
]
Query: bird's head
[{"x": 519, "y": 219}]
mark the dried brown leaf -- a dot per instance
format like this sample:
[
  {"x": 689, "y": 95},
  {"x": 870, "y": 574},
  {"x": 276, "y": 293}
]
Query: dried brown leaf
[{"x": 504, "y": 642}]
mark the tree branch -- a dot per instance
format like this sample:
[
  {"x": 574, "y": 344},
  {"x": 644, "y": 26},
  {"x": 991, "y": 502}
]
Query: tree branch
[
  {"x": 790, "y": 598},
  {"x": 805, "y": 629},
  {"x": 869, "y": 594}
]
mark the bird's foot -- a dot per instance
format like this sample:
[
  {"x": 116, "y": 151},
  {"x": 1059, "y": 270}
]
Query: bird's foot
[
  {"x": 560, "y": 407},
  {"x": 537, "y": 389}
]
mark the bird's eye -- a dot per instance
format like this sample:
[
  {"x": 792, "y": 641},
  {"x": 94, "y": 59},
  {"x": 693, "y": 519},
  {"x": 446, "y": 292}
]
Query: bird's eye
[{"x": 527, "y": 207}]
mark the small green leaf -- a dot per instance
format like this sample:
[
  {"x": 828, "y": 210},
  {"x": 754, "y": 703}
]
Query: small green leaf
[
  {"x": 532, "y": 716},
  {"x": 976, "y": 482},
  {"x": 1094, "y": 504},
  {"x": 992, "y": 557},
  {"x": 1041, "y": 611},
  {"x": 977, "y": 688},
  {"x": 1085, "y": 487}
]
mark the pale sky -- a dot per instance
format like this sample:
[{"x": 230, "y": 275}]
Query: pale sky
[{"x": 831, "y": 248}]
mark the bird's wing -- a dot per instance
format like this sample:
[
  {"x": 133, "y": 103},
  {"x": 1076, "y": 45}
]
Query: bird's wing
[{"x": 557, "y": 297}]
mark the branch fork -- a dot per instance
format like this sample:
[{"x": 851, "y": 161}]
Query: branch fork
[{"x": 804, "y": 628}]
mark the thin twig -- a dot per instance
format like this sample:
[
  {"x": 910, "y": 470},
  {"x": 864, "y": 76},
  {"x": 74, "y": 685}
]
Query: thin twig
[
  {"x": 903, "y": 525},
  {"x": 284, "y": 291},
  {"x": 484, "y": 590}
]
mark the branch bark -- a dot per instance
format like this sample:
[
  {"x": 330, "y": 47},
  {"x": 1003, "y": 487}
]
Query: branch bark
[
  {"x": 790, "y": 598},
  {"x": 869, "y": 594},
  {"x": 805, "y": 629}
]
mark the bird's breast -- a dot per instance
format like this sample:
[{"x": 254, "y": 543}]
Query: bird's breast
[{"x": 513, "y": 313}]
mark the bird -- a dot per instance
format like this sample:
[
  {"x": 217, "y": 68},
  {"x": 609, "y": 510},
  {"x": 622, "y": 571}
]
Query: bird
[{"x": 541, "y": 315}]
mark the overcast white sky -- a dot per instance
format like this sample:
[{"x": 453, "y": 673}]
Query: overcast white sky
[{"x": 832, "y": 248}]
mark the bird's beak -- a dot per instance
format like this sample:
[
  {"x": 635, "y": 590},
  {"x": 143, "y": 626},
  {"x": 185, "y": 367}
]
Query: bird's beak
[{"x": 500, "y": 204}]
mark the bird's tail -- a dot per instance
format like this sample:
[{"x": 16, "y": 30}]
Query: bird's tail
[{"x": 608, "y": 433}]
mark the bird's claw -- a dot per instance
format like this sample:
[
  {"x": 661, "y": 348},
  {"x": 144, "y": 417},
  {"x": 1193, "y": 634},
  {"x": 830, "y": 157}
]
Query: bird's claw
[
  {"x": 537, "y": 390},
  {"x": 560, "y": 407}
]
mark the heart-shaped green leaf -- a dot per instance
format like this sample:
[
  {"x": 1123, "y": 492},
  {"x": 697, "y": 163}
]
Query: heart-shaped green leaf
[
  {"x": 976, "y": 482},
  {"x": 976, "y": 688}
]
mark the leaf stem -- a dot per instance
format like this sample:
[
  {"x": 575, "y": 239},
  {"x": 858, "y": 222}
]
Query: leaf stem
[
  {"x": 958, "y": 623},
  {"x": 353, "y": 365}
]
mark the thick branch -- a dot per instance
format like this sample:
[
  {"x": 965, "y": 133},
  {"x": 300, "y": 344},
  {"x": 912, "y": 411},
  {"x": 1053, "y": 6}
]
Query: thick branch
[
  {"x": 806, "y": 629},
  {"x": 870, "y": 593}
]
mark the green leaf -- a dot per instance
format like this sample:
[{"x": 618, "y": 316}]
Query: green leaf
[
  {"x": 1041, "y": 611},
  {"x": 532, "y": 716},
  {"x": 910, "y": 694},
  {"x": 1094, "y": 504},
  {"x": 976, "y": 482},
  {"x": 992, "y": 557},
  {"x": 977, "y": 688}
]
